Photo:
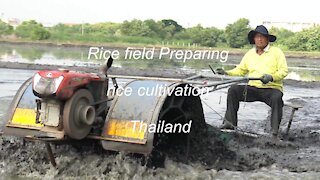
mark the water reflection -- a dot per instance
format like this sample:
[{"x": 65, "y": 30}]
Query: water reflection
[{"x": 306, "y": 69}]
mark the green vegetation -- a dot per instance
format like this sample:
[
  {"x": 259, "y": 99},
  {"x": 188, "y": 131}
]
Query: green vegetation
[
  {"x": 165, "y": 32},
  {"x": 32, "y": 30},
  {"x": 236, "y": 33},
  {"x": 5, "y": 29},
  {"x": 305, "y": 40}
]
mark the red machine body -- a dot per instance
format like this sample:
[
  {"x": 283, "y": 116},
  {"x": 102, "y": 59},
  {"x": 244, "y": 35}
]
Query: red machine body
[{"x": 61, "y": 84}]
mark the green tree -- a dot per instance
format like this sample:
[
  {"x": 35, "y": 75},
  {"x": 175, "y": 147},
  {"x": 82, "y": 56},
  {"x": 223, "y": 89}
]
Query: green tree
[
  {"x": 5, "y": 28},
  {"x": 282, "y": 35},
  {"x": 203, "y": 36},
  {"x": 163, "y": 29},
  {"x": 107, "y": 28},
  {"x": 33, "y": 30},
  {"x": 156, "y": 29},
  {"x": 236, "y": 33},
  {"x": 306, "y": 40},
  {"x": 135, "y": 28},
  {"x": 67, "y": 29},
  {"x": 170, "y": 22}
]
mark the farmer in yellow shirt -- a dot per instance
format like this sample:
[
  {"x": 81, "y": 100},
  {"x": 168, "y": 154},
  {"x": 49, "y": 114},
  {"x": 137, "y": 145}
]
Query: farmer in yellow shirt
[{"x": 263, "y": 61}]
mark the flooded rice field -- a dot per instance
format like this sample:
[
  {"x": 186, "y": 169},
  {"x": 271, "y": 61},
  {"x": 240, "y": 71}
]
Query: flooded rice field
[
  {"x": 243, "y": 157},
  {"x": 253, "y": 156}
]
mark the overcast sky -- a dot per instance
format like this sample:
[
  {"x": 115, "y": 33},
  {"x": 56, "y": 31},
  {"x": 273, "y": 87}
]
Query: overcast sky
[{"x": 218, "y": 13}]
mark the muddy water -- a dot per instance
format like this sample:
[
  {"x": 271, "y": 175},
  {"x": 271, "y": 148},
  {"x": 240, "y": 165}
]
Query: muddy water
[
  {"x": 296, "y": 156},
  {"x": 306, "y": 69}
]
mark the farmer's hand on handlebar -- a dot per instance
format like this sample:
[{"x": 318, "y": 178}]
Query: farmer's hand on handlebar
[
  {"x": 220, "y": 71},
  {"x": 266, "y": 78}
]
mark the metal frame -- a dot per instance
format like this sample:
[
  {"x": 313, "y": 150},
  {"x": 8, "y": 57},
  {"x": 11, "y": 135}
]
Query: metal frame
[
  {"x": 48, "y": 134},
  {"x": 214, "y": 83}
]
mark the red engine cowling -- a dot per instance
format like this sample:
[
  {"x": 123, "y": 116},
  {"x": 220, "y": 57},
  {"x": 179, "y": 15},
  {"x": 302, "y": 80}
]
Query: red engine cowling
[{"x": 60, "y": 84}]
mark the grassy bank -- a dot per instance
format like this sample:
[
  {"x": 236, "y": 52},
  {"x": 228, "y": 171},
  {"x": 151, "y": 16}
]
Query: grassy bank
[{"x": 117, "y": 44}]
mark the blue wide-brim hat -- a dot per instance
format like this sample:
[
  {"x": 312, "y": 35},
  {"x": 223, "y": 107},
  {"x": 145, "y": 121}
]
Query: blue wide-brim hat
[{"x": 262, "y": 30}]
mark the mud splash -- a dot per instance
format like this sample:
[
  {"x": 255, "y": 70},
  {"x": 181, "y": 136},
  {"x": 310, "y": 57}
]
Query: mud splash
[{"x": 209, "y": 160}]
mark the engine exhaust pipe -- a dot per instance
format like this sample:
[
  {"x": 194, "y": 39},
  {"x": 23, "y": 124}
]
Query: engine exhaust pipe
[{"x": 106, "y": 65}]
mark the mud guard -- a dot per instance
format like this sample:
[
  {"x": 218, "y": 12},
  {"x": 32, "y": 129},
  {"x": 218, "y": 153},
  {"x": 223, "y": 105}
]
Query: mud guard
[
  {"x": 127, "y": 113},
  {"x": 21, "y": 116}
]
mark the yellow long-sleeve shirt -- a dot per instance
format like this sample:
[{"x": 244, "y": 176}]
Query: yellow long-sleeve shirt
[{"x": 272, "y": 62}]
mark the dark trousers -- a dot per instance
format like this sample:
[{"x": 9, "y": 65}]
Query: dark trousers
[{"x": 272, "y": 97}]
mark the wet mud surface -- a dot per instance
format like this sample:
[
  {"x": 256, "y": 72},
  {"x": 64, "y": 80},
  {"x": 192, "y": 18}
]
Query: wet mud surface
[{"x": 210, "y": 154}]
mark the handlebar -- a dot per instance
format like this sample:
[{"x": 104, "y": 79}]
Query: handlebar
[
  {"x": 254, "y": 79},
  {"x": 236, "y": 80},
  {"x": 227, "y": 83}
]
